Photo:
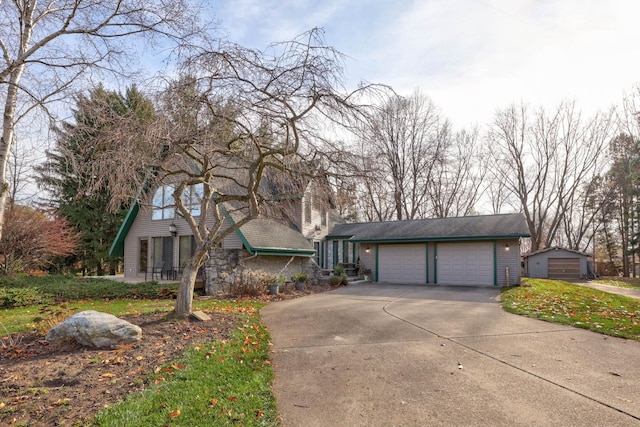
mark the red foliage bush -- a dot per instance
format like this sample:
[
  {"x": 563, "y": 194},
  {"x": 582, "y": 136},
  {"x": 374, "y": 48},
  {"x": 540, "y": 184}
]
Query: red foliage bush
[{"x": 30, "y": 239}]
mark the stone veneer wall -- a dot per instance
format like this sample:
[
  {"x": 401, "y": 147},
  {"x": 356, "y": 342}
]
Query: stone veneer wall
[{"x": 226, "y": 266}]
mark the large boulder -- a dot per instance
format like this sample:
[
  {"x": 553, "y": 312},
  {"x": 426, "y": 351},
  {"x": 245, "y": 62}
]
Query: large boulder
[{"x": 95, "y": 329}]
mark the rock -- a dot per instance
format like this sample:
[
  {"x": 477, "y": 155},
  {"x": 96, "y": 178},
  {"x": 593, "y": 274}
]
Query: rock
[{"x": 95, "y": 329}]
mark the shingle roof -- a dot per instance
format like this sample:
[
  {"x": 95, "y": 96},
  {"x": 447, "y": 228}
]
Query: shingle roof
[
  {"x": 267, "y": 235},
  {"x": 458, "y": 228},
  {"x": 556, "y": 248}
]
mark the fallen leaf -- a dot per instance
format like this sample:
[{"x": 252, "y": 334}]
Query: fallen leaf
[
  {"x": 159, "y": 380},
  {"x": 139, "y": 358},
  {"x": 108, "y": 375},
  {"x": 232, "y": 398},
  {"x": 214, "y": 401},
  {"x": 174, "y": 414},
  {"x": 178, "y": 366}
]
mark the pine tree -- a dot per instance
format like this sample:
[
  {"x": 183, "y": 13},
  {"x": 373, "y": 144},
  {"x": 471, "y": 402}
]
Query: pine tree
[{"x": 79, "y": 142}]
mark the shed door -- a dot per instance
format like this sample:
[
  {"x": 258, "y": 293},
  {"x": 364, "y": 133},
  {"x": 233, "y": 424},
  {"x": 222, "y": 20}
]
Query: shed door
[
  {"x": 564, "y": 268},
  {"x": 402, "y": 263},
  {"x": 465, "y": 263}
]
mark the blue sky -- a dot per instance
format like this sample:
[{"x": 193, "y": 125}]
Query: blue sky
[{"x": 470, "y": 56}]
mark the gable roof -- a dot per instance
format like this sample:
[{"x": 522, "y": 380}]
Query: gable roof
[
  {"x": 481, "y": 227},
  {"x": 557, "y": 248}
]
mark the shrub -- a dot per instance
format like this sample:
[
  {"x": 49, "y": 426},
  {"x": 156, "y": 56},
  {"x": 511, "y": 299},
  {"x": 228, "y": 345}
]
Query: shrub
[
  {"x": 339, "y": 270},
  {"x": 252, "y": 284},
  {"x": 335, "y": 281},
  {"x": 300, "y": 277},
  {"x": 23, "y": 297}
]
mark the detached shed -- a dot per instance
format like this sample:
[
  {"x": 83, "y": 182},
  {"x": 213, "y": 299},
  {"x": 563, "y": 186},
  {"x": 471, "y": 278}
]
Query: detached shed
[{"x": 556, "y": 263}]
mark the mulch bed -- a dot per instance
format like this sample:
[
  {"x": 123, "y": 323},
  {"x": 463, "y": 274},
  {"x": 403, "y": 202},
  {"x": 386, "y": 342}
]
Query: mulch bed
[{"x": 49, "y": 385}]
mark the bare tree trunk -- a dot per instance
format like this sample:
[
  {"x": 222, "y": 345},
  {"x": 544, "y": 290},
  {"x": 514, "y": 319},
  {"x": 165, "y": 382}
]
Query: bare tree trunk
[
  {"x": 184, "y": 298},
  {"x": 7, "y": 138}
]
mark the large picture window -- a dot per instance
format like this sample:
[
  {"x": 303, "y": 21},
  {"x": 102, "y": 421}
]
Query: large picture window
[{"x": 163, "y": 206}]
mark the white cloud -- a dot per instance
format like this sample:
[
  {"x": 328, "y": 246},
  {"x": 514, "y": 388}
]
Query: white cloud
[{"x": 471, "y": 56}]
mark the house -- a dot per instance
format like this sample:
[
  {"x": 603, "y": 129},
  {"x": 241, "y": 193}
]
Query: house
[
  {"x": 557, "y": 263},
  {"x": 156, "y": 243},
  {"x": 471, "y": 250}
]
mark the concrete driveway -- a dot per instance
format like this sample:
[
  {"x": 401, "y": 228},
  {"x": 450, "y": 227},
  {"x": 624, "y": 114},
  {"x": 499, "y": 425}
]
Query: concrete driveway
[{"x": 401, "y": 355}]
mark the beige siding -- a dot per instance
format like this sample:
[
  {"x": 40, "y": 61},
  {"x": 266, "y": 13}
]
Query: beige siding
[{"x": 145, "y": 228}]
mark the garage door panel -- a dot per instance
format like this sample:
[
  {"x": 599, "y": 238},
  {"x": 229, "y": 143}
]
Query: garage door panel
[
  {"x": 402, "y": 263},
  {"x": 564, "y": 268},
  {"x": 465, "y": 263}
]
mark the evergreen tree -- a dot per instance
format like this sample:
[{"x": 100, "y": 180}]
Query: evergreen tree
[{"x": 79, "y": 141}]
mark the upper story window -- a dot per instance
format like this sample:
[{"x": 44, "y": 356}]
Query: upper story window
[
  {"x": 323, "y": 217},
  {"x": 163, "y": 206},
  {"x": 192, "y": 197},
  {"x": 307, "y": 208}
]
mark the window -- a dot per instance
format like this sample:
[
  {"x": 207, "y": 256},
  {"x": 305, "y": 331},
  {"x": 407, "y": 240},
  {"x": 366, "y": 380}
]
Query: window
[
  {"x": 307, "y": 209},
  {"x": 186, "y": 249},
  {"x": 162, "y": 253},
  {"x": 323, "y": 217},
  {"x": 192, "y": 197},
  {"x": 345, "y": 251},
  {"x": 143, "y": 255},
  {"x": 163, "y": 207}
]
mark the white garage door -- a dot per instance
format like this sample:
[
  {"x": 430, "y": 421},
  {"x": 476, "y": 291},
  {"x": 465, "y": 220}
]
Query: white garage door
[
  {"x": 402, "y": 263},
  {"x": 465, "y": 263}
]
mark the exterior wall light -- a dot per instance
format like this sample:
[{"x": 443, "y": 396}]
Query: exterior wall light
[
  {"x": 368, "y": 249},
  {"x": 506, "y": 246},
  {"x": 173, "y": 229}
]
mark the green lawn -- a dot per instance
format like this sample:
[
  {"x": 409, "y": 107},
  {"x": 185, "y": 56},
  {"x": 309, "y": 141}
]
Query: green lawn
[
  {"x": 227, "y": 383},
  {"x": 579, "y": 306},
  {"x": 623, "y": 282},
  {"x": 224, "y": 383}
]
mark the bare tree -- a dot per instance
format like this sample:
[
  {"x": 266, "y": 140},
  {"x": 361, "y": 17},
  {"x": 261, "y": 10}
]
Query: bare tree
[
  {"x": 405, "y": 139},
  {"x": 457, "y": 182},
  {"x": 231, "y": 138},
  {"x": 544, "y": 159},
  {"x": 46, "y": 47}
]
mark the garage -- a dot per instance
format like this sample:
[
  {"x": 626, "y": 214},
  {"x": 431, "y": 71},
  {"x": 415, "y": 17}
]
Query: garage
[
  {"x": 406, "y": 263},
  {"x": 469, "y": 263},
  {"x": 557, "y": 263},
  {"x": 479, "y": 250}
]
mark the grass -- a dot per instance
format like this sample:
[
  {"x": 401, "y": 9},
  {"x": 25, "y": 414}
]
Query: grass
[
  {"x": 227, "y": 383},
  {"x": 224, "y": 383},
  {"x": 623, "y": 282},
  {"x": 25, "y": 318},
  {"x": 579, "y": 306}
]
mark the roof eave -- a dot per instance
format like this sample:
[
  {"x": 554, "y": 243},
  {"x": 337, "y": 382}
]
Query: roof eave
[
  {"x": 282, "y": 252},
  {"x": 440, "y": 239},
  {"x": 117, "y": 247}
]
